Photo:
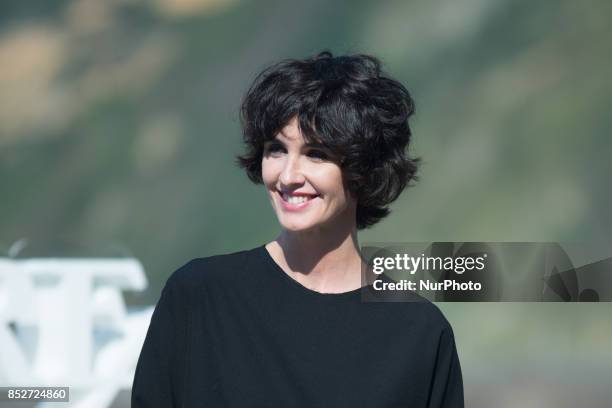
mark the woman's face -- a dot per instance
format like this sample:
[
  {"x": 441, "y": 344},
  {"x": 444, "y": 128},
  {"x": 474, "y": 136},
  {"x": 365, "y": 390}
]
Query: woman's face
[{"x": 305, "y": 183}]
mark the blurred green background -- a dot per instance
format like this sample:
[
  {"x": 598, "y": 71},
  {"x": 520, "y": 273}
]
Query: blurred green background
[{"x": 119, "y": 127}]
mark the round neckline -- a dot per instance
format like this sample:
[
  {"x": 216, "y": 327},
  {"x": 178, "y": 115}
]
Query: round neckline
[{"x": 263, "y": 251}]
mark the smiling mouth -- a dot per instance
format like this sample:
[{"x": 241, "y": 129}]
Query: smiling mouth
[{"x": 296, "y": 199}]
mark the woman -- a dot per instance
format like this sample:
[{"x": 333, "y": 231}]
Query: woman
[{"x": 283, "y": 324}]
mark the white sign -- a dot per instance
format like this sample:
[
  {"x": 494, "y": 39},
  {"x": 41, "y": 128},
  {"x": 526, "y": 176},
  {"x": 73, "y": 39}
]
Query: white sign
[{"x": 63, "y": 322}]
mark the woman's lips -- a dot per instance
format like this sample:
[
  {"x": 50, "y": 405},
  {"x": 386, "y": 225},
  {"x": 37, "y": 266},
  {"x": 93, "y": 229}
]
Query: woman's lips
[{"x": 304, "y": 200}]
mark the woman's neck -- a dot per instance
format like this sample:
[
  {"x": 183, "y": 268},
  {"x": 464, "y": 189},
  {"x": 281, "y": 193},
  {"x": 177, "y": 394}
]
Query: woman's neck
[{"x": 324, "y": 261}]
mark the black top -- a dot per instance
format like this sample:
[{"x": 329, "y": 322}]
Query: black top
[{"x": 237, "y": 331}]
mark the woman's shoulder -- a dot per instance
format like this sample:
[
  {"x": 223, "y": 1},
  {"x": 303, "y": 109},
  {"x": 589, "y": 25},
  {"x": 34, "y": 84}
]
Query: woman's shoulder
[
  {"x": 434, "y": 317},
  {"x": 416, "y": 311},
  {"x": 210, "y": 269}
]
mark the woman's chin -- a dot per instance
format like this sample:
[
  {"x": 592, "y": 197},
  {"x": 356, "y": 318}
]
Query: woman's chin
[
  {"x": 292, "y": 226},
  {"x": 296, "y": 228}
]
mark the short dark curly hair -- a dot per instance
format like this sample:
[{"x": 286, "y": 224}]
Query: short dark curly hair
[{"x": 346, "y": 103}]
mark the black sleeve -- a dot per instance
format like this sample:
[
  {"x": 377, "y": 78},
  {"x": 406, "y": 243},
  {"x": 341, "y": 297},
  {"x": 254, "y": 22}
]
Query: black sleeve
[
  {"x": 447, "y": 385},
  {"x": 154, "y": 381}
]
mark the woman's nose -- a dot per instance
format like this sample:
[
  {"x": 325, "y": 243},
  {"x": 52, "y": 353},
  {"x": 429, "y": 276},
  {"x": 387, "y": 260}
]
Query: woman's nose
[{"x": 291, "y": 173}]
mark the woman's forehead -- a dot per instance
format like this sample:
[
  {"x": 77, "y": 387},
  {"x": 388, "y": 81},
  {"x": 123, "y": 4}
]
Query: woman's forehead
[
  {"x": 292, "y": 137},
  {"x": 292, "y": 132}
]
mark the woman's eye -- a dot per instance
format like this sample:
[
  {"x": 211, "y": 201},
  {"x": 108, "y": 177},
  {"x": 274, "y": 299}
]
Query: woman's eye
[{"x": 318, "y": 154}]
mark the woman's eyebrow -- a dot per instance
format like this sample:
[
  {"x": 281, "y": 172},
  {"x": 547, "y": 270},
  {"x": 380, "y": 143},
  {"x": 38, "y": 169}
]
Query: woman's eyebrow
[
  {"x": 316, "y": 144},
  {"x": 275, "y": 140}
]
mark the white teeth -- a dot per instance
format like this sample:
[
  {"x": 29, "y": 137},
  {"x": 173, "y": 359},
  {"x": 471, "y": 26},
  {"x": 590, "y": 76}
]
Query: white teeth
[{"x": 295, "y": 199}]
